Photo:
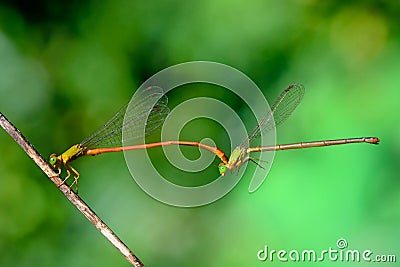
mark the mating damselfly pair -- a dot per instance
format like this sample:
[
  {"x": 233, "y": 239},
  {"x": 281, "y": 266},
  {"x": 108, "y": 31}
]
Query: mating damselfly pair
[{"x": 149, "y": 107}]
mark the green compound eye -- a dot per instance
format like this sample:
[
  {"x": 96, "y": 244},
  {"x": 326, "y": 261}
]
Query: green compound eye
[
  {"x": 222, "y": 169},
  {"x": 53, "y": 159}
]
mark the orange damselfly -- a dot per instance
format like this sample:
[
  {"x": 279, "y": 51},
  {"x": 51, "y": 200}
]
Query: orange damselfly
[{"x": 148, "y": 107}]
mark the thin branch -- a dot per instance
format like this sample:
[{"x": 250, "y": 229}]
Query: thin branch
[{"x": 72, "y": 197}]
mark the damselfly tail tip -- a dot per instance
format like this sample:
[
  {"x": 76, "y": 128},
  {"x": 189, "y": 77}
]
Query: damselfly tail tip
[{"x": 373, "y": 140}]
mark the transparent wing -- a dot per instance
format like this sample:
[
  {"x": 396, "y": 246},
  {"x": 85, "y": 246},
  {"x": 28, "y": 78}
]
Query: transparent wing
[
  {"x": 281, "y": 109},
  {"x": 141, "y": 111}
]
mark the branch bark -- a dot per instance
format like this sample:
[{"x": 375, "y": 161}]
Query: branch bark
[{"x": 71, "y": 196}]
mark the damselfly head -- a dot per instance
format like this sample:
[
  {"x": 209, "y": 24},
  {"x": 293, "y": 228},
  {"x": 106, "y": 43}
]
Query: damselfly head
[
  {"x": 222, "y": 169},
  {"x": 53, "y": 160}
]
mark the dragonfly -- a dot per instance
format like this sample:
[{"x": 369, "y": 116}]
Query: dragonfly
[{"x": 281, "y": 109}]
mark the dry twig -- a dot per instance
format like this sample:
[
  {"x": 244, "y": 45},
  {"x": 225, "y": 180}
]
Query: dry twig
[{"x": 72, "y": 197}]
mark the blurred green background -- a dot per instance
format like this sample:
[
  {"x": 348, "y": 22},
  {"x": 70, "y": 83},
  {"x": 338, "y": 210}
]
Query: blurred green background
[{"x": 66, "y": 66}]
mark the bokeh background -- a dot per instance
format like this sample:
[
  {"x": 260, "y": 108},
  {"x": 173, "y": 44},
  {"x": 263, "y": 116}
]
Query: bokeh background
[{"x": 67, "y": 66}]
